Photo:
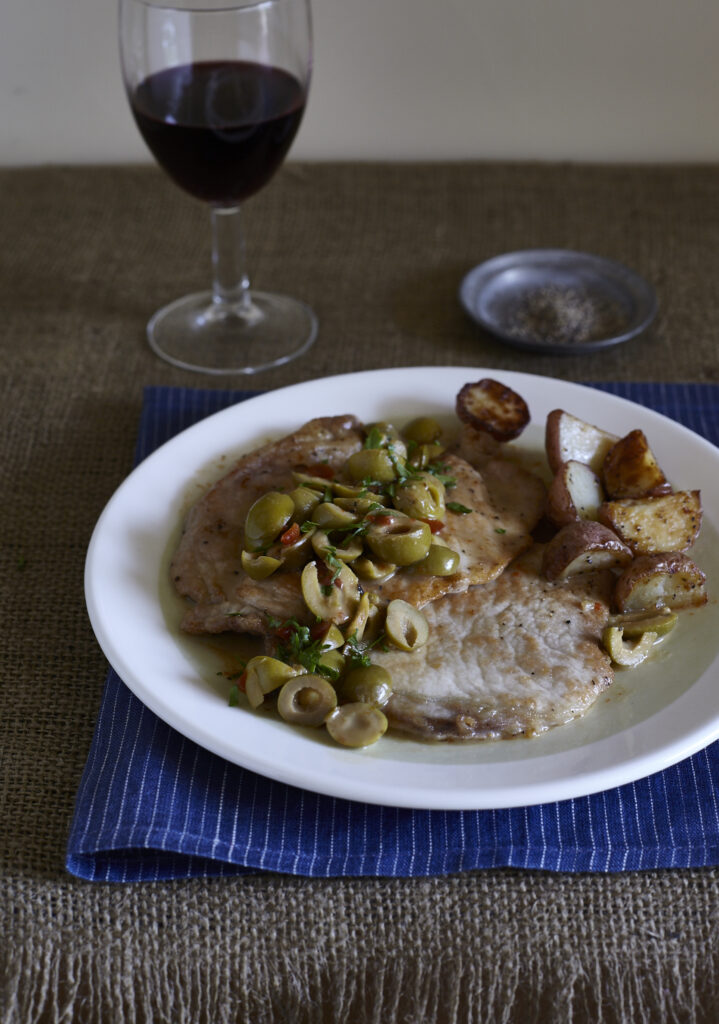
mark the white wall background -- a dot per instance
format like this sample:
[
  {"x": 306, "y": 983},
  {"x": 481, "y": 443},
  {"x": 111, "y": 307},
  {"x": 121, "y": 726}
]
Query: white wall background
[{"x": 407, "y": 79}]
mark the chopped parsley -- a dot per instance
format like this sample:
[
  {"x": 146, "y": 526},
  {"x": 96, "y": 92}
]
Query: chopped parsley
[{"x": 455, "y": 506}]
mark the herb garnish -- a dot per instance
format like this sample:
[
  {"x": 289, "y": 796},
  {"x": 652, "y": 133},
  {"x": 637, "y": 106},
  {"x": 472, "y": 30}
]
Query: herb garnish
[{"x": 455, "y": 506}]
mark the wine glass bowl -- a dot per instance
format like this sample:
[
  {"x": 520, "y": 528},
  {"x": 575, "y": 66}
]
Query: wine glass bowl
[{"x": 217, "y": 89}]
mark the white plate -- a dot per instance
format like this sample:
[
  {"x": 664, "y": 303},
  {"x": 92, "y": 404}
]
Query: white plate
[{"x": 650, "y": 718}]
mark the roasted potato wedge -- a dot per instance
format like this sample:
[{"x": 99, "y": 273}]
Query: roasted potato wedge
[
  {"x": 630, "y": 469},
  {"x": 661, "y": 580},
  {"x": 583, "y": 546},
  {"x": 668, "y": 522},
  {"x": 574, "y": 493},
  {"x": 568, "y": 438},
  {"x": 493, "y": 408}
]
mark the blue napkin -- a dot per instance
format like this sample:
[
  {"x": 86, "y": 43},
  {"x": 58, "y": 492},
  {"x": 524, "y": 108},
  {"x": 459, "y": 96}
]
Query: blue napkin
[{"x": 154, "y": 805}]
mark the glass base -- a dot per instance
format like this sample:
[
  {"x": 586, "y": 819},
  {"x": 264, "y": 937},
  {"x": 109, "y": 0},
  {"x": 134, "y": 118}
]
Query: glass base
[{"x": 197, "y": 333}]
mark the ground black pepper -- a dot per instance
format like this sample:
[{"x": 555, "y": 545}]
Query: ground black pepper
[{"x": 563, "y": 315}]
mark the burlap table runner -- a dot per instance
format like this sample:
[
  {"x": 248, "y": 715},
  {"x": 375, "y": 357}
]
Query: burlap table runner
[{"x": 378, "y": 250}]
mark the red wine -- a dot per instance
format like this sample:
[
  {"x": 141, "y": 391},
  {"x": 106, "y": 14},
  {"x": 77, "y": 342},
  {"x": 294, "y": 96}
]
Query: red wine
[{"x": 219, "y": 129}]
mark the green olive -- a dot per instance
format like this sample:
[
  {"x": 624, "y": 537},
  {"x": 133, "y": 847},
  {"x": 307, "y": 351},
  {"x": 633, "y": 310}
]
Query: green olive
[
  {"x": 315, "y": 483},
  {"x": 332, "y": 664},
  {"x": 306, "y": 500},
  {"x": 421, "y": 497},
  {"x": 346, "y": 550},
  {"x": 385, "y": 435},
  {"x": 294, "y": 556},
  {"x": 267, "y": 518},
  {"x": 370, "y": 684},
  {"x": 263, "y": 675},
  {"x": 356, "y": 625},
  {"x": 359, "y": 506},
  {"x": 423, "y": 430},
  {"x": 635, "y": 624},
  {"x": 424, "y": 455},
  {"x": 306, "y": 700},
  {"x": 373, "y": 569},
  {"x": 347, "y": 492},
  {"x": 371, "y": 464},
  {"x": 259, "y": 567},
  {"x": 405, "y": 625},
  {"x": 332, "y": 517},
  {"x": 332, "y": 639},
  {"x": 356, "y": 725},
  {"x": 440, "y": 561},
  {"x": 397, "y": 538},
  {"x": 329, "y": 597}
]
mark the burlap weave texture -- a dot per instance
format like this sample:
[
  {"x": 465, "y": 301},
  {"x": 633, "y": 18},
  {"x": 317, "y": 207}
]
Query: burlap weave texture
[{"x": 378, "y": 250}]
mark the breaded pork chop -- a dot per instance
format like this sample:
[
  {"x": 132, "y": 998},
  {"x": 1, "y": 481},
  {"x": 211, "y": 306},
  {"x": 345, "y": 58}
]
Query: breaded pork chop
[
  {"x": 515, "y": 656},
  {"x": 206, "y": 566}
]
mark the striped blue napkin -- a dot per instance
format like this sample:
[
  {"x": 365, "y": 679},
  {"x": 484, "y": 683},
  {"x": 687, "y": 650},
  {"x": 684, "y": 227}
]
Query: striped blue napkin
[{"x": 154, "y": 805}]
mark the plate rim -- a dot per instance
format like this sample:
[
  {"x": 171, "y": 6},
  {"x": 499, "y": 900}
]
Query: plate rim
[{"x": 370, "y": 788}]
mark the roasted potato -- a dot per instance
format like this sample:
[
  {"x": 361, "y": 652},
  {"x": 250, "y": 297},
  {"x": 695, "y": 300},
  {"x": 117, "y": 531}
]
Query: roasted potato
[
  {"x": 574, "y": 493},
  {"x": 583, "y": 546},
  {"x": 492, "y": 408},
  {"x": 661, "y": 580},
  {"x": 631, "y": 471},
  {"x": 568, "y": 438},
  {"x": 669, "y": 522}
]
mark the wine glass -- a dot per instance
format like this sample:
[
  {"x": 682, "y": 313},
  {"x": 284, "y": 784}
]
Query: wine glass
[{"x": 218, "y": 89}]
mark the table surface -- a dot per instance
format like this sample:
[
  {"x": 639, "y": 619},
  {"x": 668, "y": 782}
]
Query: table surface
[{"x": 87, "y": 254}]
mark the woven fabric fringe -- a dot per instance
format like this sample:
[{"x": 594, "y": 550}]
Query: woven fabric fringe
[{"x": 354, "y": 961}]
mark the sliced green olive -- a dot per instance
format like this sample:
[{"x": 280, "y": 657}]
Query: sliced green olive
[
  {"x": 259, "y": 567},
  {"x": 306, "y": 500},
  {"x": 406, "y": 626},
  {"x": 421, "y": 497},
  {"x": 423, "y": 455},
  {"x": 306, "y": 700},
  {"x": 372, "y": 569},
  {"x": 636, "y": 623},
  {"x": 356, "y": 625},
  {"x": 423, "y": 430},
  {"x": 263, "y": 675},
  {"x": 315, "y": 483},
  {"x": 342, "y": 490},
  {"x": 333, "y": 517},
  {"x": 336, "y": 599},
  {"x": 332, "y": 664},
  {"x": 371, "y": 464},
  {"x": 347, "y": 550},
  {"x": 440, "y": 561},
  {"x": 359, "y": 506},
  {"x": 294, "y": 556},
  {"x": 627, "y": 655},
  {"x": 399, "y": 539},
  {"x": 370, "y": 684},
  {"x": 356, "y": 725},
  {"x": 333, "y": 638},
  {"x": 385, "y": 435},
  {"x": 267, "y": 518}
]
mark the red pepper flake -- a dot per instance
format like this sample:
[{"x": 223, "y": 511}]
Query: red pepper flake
[
  {"x": 435, "y": 525},
  {"x": 381, "y": 520},
  {"x": 242, "y": 682},
  {"x": 291, "y": 535},
  {"x": 321, "y": 470}
]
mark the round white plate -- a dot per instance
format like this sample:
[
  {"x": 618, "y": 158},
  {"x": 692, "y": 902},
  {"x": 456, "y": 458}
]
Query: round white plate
[{"x": 650, "y": 717}]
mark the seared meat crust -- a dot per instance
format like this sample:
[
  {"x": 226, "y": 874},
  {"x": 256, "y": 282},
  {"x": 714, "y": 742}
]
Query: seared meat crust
[{"x": 206, "y": 566}]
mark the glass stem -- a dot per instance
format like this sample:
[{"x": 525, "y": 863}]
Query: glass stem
[{"x": 230, "y": 283}]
